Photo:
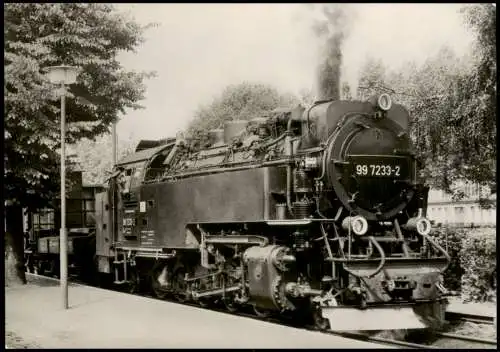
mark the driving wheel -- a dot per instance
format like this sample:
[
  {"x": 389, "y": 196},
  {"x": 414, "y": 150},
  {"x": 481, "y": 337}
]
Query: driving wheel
[
  {"x": 134, "y": 281},
  {"x": 230, "y": 304},
  {"x": 180, "y": 285},
  {"x": 159, "y": 290},
  {"x": 261, "y": 313},
  {"x": 319, "y": 322}
]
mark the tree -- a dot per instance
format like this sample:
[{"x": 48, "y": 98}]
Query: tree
[
  {"x": 456, "y": 108},
  {"x": 454, "y": 133},
  {"x": 40, "y": 35},
  {"x": 306, "y": 97},
  {"x": 477, "y": 92},
  {"x": 372, "y": 79},
  {"x": 242, "y": 101},
  {"x": 95, "y": 159},
  {"x": 346, "y": 91},
  {"x": 436, "y": 131}
]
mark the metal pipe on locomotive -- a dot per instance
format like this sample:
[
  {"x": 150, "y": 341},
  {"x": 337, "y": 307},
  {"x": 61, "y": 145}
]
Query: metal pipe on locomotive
[{"x": 317, "y": 211}]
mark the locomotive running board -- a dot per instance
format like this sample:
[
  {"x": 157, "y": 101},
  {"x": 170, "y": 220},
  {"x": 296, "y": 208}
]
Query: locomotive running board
[{"x": 376, "y": 318}]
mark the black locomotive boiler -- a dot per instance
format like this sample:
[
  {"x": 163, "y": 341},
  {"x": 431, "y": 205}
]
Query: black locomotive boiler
[{"x": 315, "y": 211}]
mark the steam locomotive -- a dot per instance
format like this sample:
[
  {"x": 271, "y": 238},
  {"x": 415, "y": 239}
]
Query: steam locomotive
[{"x": 315, "y": 212}]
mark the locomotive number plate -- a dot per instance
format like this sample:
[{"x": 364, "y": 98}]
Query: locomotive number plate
[{"x": 380, "y": 166}]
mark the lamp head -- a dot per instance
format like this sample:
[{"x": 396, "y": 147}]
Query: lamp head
[{"x": 62, "y": 74}]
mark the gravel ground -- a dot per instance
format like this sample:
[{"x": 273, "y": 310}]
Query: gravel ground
[
  {"x": 12, "y": 339},
  {"x": 15, "y": 341},
  {"x": 480, "y": 331}
]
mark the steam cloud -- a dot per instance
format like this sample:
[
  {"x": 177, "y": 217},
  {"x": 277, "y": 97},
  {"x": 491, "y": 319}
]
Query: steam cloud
[{"x": 331, "y": 30}]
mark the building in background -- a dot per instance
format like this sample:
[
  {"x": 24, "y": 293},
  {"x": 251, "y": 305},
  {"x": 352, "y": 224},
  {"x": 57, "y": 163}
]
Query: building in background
[{"x": 442, "y": 209}]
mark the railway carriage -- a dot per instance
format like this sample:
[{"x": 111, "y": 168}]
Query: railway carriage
[{"x": 42, "y": 232}]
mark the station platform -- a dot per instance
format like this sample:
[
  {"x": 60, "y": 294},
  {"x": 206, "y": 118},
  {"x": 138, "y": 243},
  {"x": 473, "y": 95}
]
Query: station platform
[{"x": 100, "y": 318}]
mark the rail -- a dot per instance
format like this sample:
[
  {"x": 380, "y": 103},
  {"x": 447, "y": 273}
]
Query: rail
[
  {"x": 439, "y": 337},
  {"x": 443, "y": 335},
  {"x": 473, "y": 318}
]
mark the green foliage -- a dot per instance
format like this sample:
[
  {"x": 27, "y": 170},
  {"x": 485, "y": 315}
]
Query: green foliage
[
  {"x": 476, "y": 110},
  {"x": 453, "y": 104},
  {"x": 242, "y": 101},
  {"x": 478, "y": 260},
  {"x": 346, "y": 92},
  {"x": 451, "y": 241},
  {"x": 95, "y": 156},
  {"x": 473, "y": 261},
  {"x": 306, "y": 97},
  {"x": 36, "y": 36},
  {"x": 372, "y": 77},
  {"x": 486, "y": 203}
]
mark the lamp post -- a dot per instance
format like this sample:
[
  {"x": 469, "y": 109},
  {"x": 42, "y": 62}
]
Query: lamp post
[
  {"x": 113, "y": 136},
  {"x": 63, "y": 75}
]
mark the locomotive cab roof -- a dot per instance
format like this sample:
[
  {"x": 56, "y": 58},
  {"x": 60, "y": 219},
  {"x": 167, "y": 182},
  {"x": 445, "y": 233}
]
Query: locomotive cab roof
[
  {"x": 147, "y": 143},
  {"x": 141, "y": 155}
]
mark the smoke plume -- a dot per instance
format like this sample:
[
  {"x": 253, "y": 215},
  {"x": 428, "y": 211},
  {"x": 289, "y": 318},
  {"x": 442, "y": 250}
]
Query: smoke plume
[{"x": 331, "y": 30}]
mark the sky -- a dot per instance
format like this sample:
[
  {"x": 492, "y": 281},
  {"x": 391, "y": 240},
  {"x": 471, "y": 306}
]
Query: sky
[{"x": 199, "y": 49}]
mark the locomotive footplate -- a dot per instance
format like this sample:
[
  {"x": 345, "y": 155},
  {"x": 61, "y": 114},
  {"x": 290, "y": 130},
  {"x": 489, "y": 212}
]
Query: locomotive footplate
[
  {"x": 383, "y": 317},
  {"x": 283, "y": 222}
]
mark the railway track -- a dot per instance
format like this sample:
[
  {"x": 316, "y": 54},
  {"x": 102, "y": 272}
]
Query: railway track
[
  {"x": 437, "y": 340},
  {"x": 473, "y": 318},
  {"x": 360, "y": 336},
  {"x": 467, "y": 339}
]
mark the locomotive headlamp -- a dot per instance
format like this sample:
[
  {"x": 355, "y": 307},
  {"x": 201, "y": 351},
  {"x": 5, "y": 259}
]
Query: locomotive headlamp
[
  {"x": 357, "y": 224},
  {"x": 384, "y": 101},
  {"x": 419, "y": 224},
  {"x": 423, "y": 226}
]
